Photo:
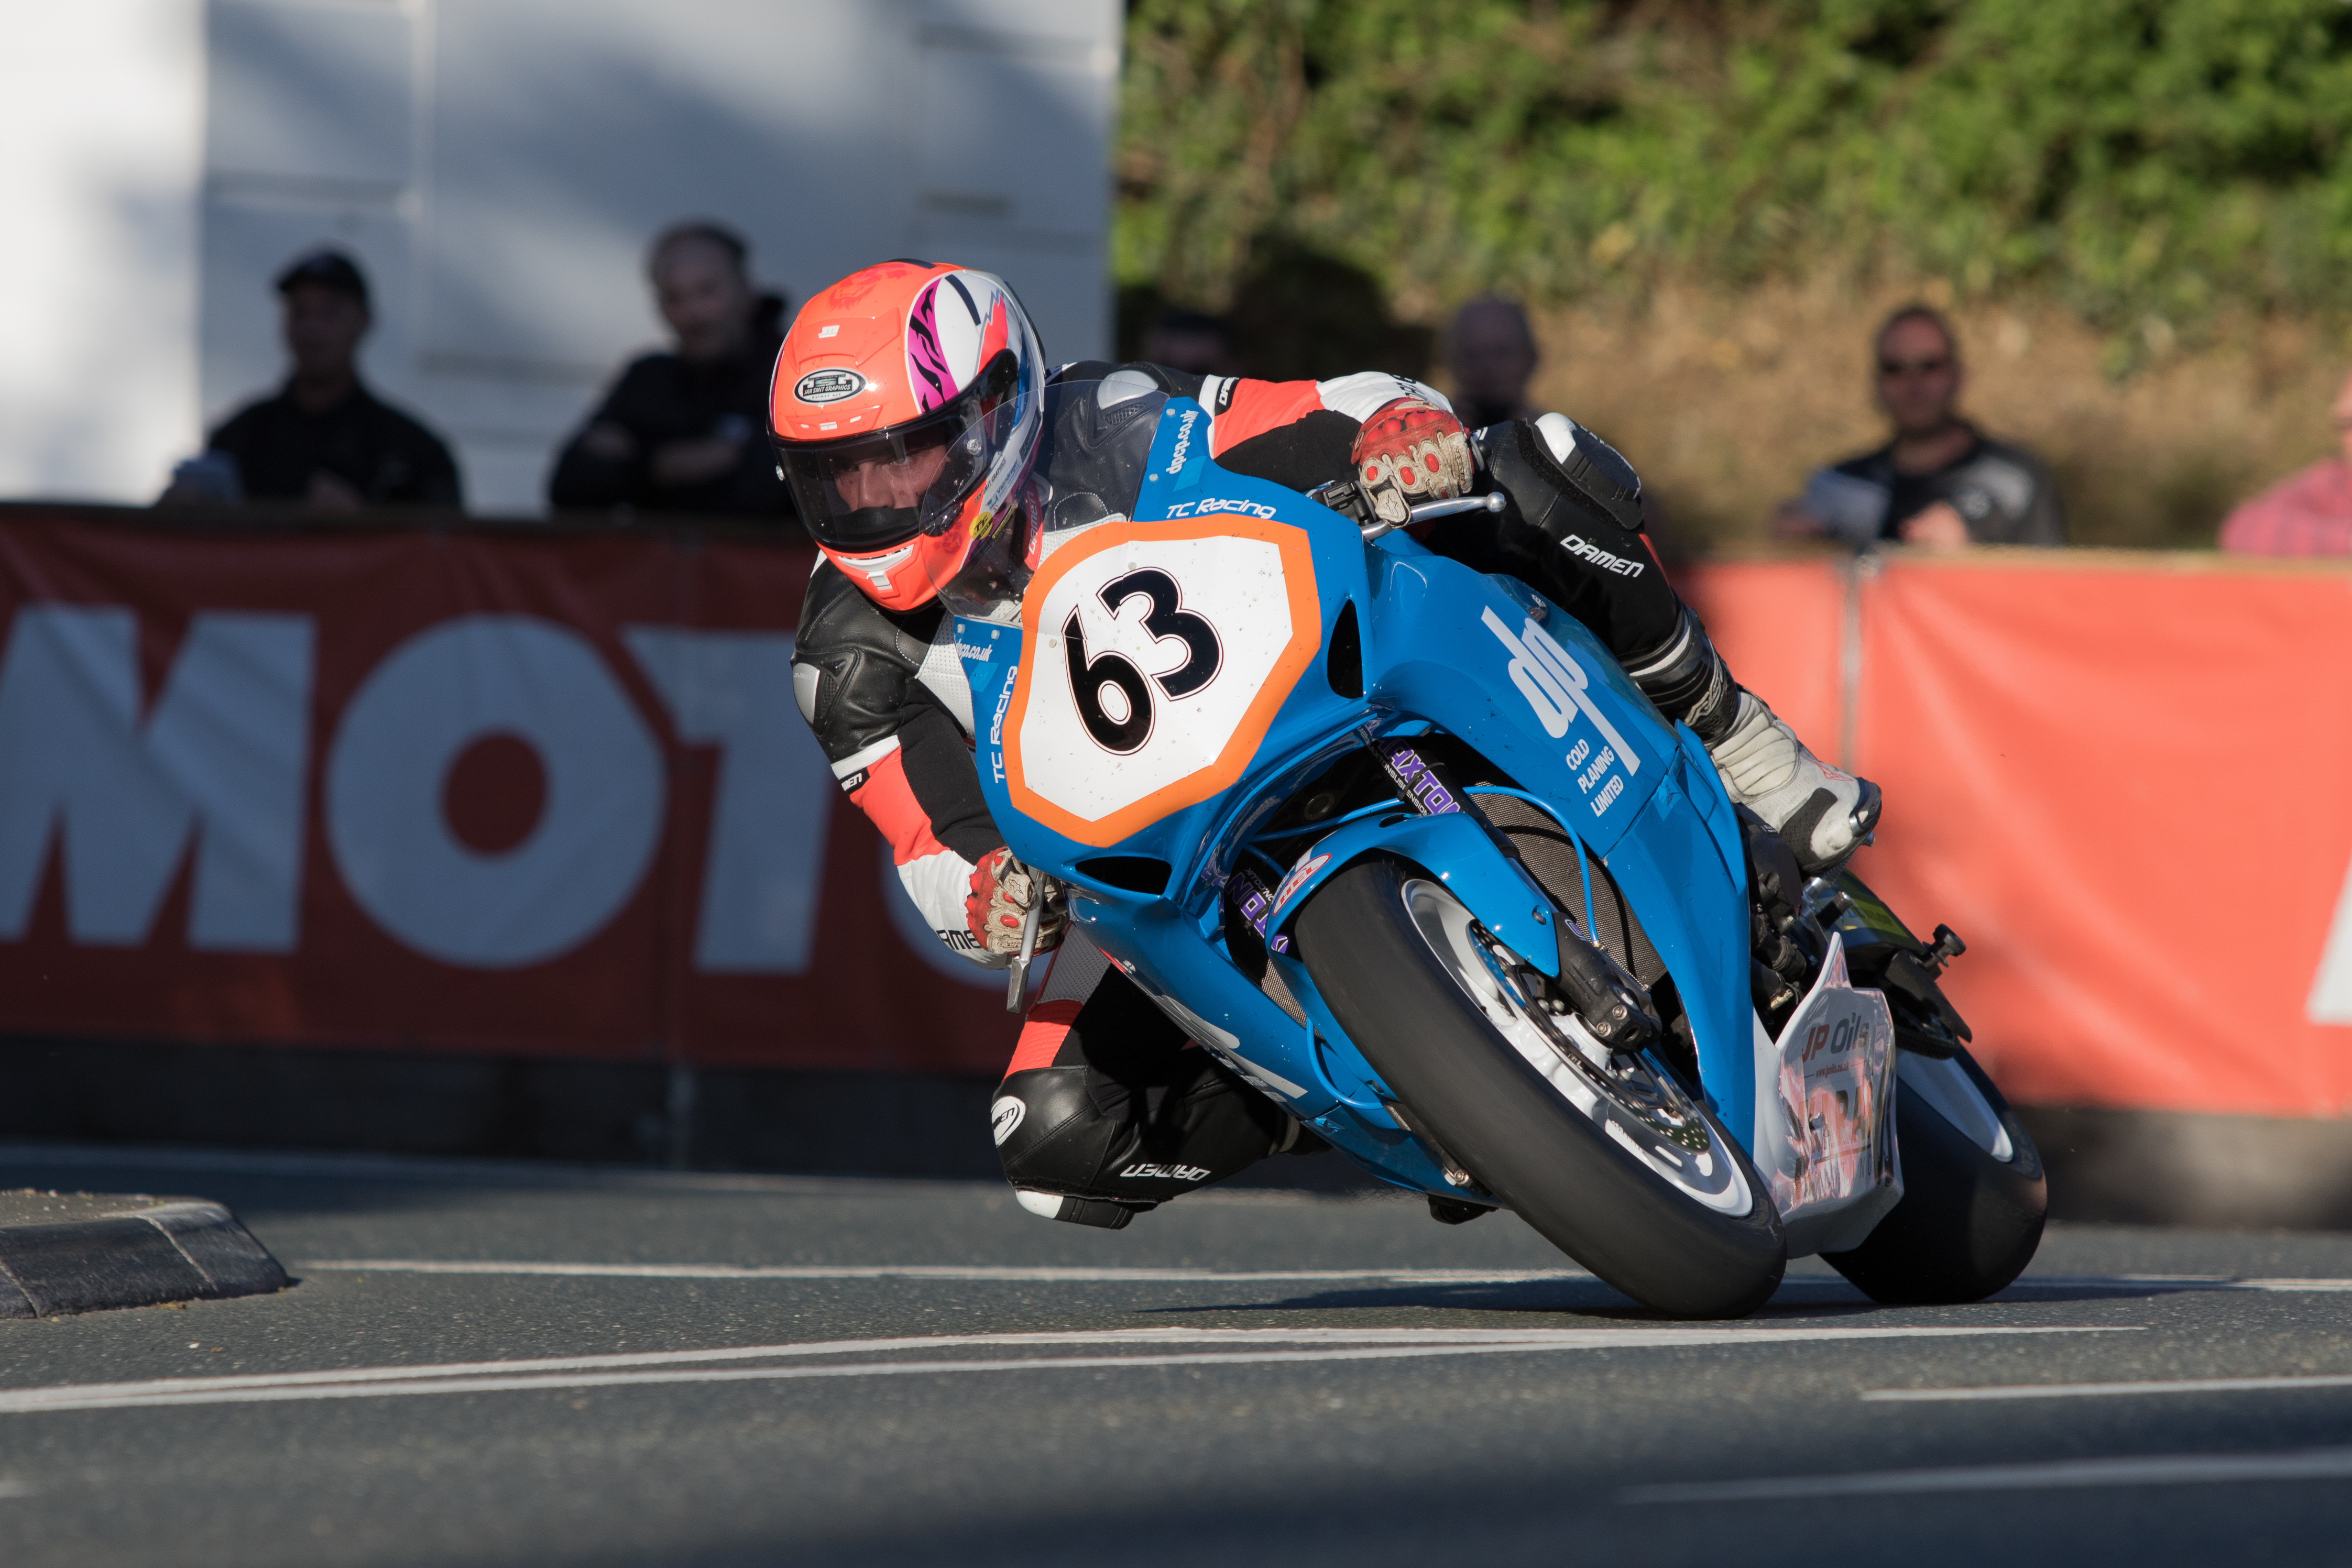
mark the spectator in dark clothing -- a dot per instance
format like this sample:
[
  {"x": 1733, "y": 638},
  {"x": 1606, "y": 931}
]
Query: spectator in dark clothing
[
  {"x": 1941, "y": 482},
  {"x": 1490, "y": 348},
  {"x": 1491, "y": 351},
  {"x": 324, "y": 440},
  {"x": 1192, "y": 341},
  {"x": 686, "y": 431}
]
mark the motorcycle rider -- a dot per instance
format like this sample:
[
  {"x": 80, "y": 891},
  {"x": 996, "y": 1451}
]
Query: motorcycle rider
[{"x": 896, "y": 421}]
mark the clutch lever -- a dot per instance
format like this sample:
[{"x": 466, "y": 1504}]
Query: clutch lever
[{"x": 1017, "y": 988}]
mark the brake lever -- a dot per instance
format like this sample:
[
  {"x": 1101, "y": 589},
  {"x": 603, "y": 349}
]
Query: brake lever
[
  {"x": 1428, "y": 511},
  {"x": 1348, "y": 498}
]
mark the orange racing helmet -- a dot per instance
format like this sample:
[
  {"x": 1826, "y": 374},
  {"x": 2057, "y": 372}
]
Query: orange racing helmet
[{"x": 906, "y": 413}]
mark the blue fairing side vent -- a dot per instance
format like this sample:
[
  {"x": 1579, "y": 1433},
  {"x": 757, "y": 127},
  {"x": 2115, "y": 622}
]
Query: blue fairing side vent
[
  {"x": 1343, "y": 661},
  {"x": 1129, "y": 874}
]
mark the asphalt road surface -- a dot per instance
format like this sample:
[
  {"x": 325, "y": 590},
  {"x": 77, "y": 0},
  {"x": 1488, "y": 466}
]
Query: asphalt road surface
[{"x": 547, "y": 1366}]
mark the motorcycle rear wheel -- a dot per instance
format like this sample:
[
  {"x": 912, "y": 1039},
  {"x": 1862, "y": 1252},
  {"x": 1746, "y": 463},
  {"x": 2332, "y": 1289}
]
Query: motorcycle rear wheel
[
  {"x": 1389, "y": 950},
  {"x": 1973, "y": 1194}
]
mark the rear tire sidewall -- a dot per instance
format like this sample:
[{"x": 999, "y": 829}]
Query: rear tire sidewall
[
  {"x": 1967, "y": 1225},
  {"x": 1462, "y": 1080}
]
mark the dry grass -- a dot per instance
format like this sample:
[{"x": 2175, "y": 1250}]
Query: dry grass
[{"x": 1724, "y": 403}]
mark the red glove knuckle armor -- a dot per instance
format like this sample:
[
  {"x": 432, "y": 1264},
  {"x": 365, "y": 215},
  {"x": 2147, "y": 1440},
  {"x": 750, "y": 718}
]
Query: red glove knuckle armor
[{"x": 1411, "y": 451}]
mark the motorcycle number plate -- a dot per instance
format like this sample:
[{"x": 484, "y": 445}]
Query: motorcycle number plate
[{"x": 1156, "y": 656}]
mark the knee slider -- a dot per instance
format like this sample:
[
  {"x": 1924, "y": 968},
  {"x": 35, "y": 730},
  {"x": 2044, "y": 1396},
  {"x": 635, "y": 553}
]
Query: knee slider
[
  {"x": 1050, "y": 1134},
  {"x": 1065, "y": 1130}
]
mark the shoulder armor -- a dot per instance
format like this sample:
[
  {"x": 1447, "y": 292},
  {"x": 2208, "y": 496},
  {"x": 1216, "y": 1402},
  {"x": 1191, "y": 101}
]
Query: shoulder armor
[{"x": 853, "y": 663}]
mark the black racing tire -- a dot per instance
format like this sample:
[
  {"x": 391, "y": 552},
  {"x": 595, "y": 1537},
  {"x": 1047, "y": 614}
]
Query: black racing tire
[
  {"x": 1967, "y": 1224},
  {"x": 1465, "y": 1084}
]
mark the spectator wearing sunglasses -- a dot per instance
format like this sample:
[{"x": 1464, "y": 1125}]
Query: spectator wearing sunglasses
[{"x": 1940, "y": 483}]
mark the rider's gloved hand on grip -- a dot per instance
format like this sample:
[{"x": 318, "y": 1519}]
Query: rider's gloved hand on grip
[
  {"x": 998, "y": 904},
  {"x": 1408, "y": 452}
]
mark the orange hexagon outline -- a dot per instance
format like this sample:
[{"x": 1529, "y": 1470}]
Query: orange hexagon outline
[{"x": 1306, "y": 640}]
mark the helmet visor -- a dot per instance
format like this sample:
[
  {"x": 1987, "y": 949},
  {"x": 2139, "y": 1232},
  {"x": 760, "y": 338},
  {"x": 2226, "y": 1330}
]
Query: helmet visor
[{"x": 869, "y": 492}]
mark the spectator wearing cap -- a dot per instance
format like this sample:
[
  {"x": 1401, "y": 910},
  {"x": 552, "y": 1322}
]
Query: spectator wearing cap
[
  {"x": 1940, "y": 483},
  {"x": 1492, "y": 352},
  {"x": 1192, "y": 341},
  {"x": 2309, "y": 512},
  {"x": 324, "y": 440},
  {"x": 687, "y": 430}
]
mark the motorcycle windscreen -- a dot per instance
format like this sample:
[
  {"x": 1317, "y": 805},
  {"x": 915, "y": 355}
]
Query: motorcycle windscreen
[{"x": 1094, "y": 440}]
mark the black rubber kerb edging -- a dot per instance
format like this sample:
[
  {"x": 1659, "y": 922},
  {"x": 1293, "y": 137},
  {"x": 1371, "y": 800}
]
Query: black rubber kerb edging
[{"x": 150, "y": 1251}]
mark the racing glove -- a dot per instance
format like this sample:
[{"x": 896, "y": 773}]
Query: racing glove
[
  {"x": 998, "y": 904},
  {"x": 1411, "y": 451}
]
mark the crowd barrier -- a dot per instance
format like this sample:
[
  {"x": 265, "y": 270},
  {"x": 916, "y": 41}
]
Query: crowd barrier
[
  {"x": 2122, "y": 779},
  {"x": 545, "y": 792}
]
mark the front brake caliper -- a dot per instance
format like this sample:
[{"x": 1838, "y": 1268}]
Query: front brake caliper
[{"x": 1614, "y": 1008}]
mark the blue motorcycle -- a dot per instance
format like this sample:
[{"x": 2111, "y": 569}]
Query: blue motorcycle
[{"x": 1401, "y": 844}]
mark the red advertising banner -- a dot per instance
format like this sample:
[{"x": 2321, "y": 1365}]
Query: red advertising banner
[
  {"x": 2122, "y": 779},
  {"x": 537, "y": 791},
  {"x": 523, "y": 791}
]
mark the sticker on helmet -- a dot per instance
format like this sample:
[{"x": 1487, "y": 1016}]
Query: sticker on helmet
[{"x": 829, "y": 386}]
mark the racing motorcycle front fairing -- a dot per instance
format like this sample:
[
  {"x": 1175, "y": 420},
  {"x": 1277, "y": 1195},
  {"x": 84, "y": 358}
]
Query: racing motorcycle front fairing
[{"x": 1327, "y": 647}]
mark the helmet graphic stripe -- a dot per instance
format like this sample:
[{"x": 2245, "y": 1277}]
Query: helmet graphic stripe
[
  {"x": 927, "y": 362},
  {"x": 968, "y": 304}
]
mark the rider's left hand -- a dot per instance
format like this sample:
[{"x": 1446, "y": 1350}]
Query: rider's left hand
[
  {"x": 1408, "y": 452},
  {"x": 997, "y": 907}
]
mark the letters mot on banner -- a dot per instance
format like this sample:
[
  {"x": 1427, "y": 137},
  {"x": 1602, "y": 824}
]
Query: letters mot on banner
[{"x": 459, "y": 790}]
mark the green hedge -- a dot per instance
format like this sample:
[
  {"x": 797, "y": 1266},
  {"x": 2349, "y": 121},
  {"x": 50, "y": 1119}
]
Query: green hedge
[{"x": 2147, "y": 164}]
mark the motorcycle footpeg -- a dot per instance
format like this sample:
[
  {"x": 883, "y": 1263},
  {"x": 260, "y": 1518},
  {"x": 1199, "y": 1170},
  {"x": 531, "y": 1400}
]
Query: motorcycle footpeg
[
  {"x": 1770, "y": 989},
  {"x": 1911, "y": 985},
  {"x": 1453, "y": 1211}
]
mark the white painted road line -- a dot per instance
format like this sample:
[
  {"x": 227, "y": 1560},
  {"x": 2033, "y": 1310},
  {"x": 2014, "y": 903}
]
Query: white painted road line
[
  {"x": 944, "y": 1272},
  {"x": 1013, "y": 1275},
  {"x": 2101, "y": 1390},
  {"x": 1233, "y": 1347},
  {"x": 2156, "y": 1469},
  {"x": 2178, "y": 1282}
]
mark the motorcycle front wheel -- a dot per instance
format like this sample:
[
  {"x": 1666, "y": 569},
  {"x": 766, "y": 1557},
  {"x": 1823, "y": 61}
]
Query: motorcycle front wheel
[{"x": 1608, "y": 1159}]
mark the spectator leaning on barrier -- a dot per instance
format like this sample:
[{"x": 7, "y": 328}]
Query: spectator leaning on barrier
[
  {"x": 1941, "y": 482},
  {"x": 1192, "y": 341},
  {"x": 1492, "y": 352},
  {"x": 324, "y": 440},
  {"x": 2309, "y": 512},
  {"x": 687, "y": 430}
]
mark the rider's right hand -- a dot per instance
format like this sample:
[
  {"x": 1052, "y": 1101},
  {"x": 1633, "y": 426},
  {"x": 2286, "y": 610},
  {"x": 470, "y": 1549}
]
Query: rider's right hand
[
  {"x": 1409, "y": 451},
  {"x": 998, "y": 904}
]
